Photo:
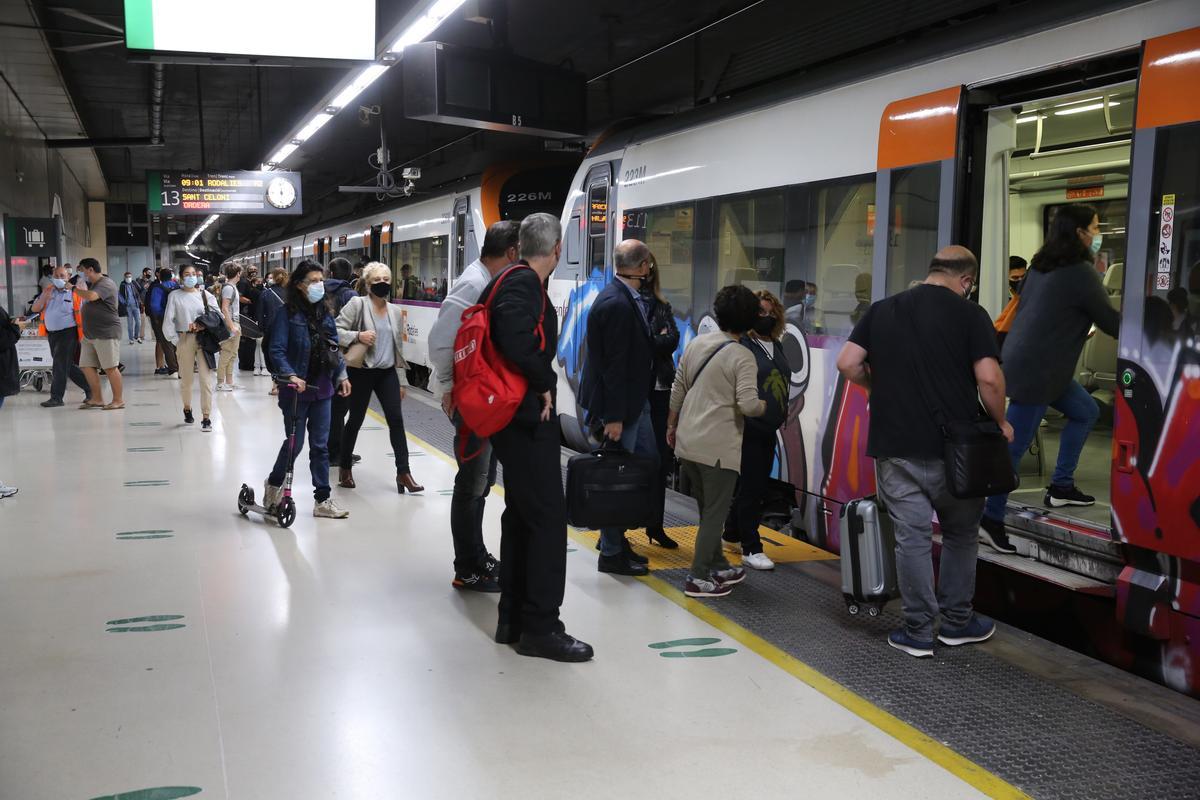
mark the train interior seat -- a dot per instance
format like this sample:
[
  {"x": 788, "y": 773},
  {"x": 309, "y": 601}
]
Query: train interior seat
[{"x": 1098, "y": 362}]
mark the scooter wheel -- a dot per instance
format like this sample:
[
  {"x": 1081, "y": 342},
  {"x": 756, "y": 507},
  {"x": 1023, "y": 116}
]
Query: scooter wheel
[
  {"x": 853, "y": 609},
  {"x": 285, "y": 513},
  {"x": 245, "y": 500},
  {"x": 38, "y": 382}
]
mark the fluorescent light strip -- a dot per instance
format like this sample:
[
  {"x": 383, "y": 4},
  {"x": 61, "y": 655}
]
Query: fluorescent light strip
[
  {"x": 315, "y": 124},
  {"x": 1081, "y": 109},
  {"x": 364, "y": 79},
  {"x": 426, "y": 24},
  {"x": 1034, "y": 118}
]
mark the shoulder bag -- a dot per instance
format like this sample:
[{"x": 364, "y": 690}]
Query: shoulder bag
[
  {"x": 356, "y": 354},
  {"x": 975, "y": 452}
]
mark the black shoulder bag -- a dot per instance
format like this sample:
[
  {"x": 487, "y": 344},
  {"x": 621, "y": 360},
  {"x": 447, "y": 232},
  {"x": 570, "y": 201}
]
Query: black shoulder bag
[{"x": 975, "y": 451}]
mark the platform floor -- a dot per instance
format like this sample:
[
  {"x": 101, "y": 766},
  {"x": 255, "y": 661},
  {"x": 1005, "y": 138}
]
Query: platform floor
[{"x": 155, "y": 644}]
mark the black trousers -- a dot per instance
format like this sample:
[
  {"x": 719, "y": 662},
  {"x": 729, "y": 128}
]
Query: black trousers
[
  {"x": 533, "y": 528},
  {"x": 246, "y": 354},
  {"x": 385, "y": 383},
  {"x": 168, "y": 349},
  {"x": 337, "y": 422},
  {"x": 660, "y": 406},
  {"x": 64, "y": 346},
  {"x": 758, "y": 454}
]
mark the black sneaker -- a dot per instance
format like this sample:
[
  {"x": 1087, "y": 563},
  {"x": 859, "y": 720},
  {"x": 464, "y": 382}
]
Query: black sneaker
[
  {"x": 161, "y": 371},
  {"x": 491, "y": 566},
  {"x": 476, "y": 582},
  {"x": 1059, "y": 496},
  {"x": 621, "y": 565},
  {"x": 632, "y": 554},
  {"x": 187, "y": 416},
  {"x": 993, "y": 533},
  {"x": 52, "y": 403},
  {"x": 206, "y": 425}
]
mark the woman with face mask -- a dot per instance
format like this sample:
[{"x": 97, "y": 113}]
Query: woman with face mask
[
  {"x": 371, "y": 331},
  {"x": 758, "y": 438},
  {"x": 179, "y": 326},
  {"x": 304, "y": 353},
  {"x": 1061, "y": 298}
]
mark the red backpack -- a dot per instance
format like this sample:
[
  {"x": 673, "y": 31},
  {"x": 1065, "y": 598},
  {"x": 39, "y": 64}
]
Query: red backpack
[{"x": 487, "y": 389}]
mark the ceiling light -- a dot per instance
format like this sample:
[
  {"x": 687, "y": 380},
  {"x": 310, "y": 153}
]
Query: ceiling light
[
  {"x": 1034, "y": 118},
  {"x": 1077, "y": 102},
  {"x": 315, "y": 124},
  {"x": 1081, "y": 109},
  {"x": 282, "y": 153},
  {"x": 426, "y": 24},
  {"x": 364, "y": 79}
]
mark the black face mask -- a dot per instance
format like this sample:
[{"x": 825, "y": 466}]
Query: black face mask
[
  {"x": 764, "y": 326},
  {"x": 381, "y": 289},
  {"x": 641, "y": 279},
  {"x": 1015, "y": 286}
]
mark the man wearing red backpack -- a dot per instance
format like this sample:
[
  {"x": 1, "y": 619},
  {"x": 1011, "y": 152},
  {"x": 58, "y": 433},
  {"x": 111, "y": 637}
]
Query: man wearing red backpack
[{"x": 533, "y": 546}]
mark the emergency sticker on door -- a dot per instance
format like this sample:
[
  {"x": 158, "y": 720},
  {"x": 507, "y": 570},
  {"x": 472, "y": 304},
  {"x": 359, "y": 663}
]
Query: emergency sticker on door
[
  {"x": 1166, "y": 232},
  {"x": 1162, "y": 280}
]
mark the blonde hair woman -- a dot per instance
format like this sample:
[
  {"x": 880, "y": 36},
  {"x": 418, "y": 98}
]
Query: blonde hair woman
[{"x": 371, "y": 333}]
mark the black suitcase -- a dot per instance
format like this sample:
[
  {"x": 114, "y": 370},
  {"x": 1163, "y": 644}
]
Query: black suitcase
[
  {"x": 611, "y": 488},
  {"x": 868, "y": 549}
]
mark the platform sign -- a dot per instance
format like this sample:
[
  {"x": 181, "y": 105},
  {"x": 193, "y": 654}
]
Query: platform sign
[
  {"x": 204, "y": 193},
  {"x": 32, "y": 236}
]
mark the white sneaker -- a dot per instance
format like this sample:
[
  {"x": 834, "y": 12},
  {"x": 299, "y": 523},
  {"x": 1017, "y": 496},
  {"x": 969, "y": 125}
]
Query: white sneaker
[
  {"x": 330, "y": 509},
  {"x": 7, "y": 491},
  {"x": 224, "y": 387},
  {"x": 271, "y": 494},
  {"x": 758, "y": 561}
]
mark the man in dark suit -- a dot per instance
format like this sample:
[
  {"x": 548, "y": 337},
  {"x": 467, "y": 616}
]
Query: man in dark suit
[
  {"x": 618, "y": 375},
  {"x": 533, "y": 528}
]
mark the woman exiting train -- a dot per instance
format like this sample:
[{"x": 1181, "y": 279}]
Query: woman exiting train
[
  {"x": 371, "y": 329},
  {"x": 180, "y": 328},
  {"x": 1061, "y": 299},
  {"x": 304, "y": 353}
]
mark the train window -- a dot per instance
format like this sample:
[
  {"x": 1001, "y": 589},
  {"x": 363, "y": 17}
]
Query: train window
[
  {"x": 840, "y": 244},
  {"x": 912, "y": 225},
  {"x": 572, "y": 234},
  {"x": 669, "y": 232},
  {"x": 750, "y": 234},
  {"x": 429, "y": 261},
  {"x": 1172, "y": 308},
  {"x": 597, "y": 225}
]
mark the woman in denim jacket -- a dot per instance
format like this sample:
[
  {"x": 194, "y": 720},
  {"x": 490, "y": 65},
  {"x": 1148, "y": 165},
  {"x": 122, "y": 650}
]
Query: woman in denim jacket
[{"x": 304, "y": 354}]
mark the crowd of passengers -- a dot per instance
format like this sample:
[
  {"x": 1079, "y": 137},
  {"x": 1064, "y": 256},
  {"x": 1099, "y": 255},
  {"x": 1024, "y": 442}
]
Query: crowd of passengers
[{"x": 332, "y": 339}]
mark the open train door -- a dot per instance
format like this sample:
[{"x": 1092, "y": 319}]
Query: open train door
[
  {"x": 915, "y": 187},
  {"x": 1156, "y": 447},
  {"x": 460, "y": 228}
]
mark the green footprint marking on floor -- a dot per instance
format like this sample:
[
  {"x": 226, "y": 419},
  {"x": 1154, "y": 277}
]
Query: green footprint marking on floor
[
  {"x": 143, "y": 449},
  {"x": 371, "y": 428},
  {"x": 148, "y": 534},
  {"x": 158, "y": 622},
  {"x": 445, "y": 492},
  {"x": 701, "y": 642},
  {"x": 147, "y": 483},
  {"x": 144, "y": 424},
  {"x": 157, "y": 793}
]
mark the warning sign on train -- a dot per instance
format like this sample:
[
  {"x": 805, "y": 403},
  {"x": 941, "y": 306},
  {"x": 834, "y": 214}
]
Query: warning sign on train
[
  {"x": 1165, "y": 235},
  {"x": 204, "y": 193}
]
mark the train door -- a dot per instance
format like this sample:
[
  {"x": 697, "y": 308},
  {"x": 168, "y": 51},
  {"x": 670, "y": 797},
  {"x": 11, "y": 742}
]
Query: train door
[
  {"x": 459, "y": 229},
  {"x": 374, "y": 243}
]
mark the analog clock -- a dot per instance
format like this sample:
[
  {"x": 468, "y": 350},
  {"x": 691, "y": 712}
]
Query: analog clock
[{"x": 281, "y": 193}]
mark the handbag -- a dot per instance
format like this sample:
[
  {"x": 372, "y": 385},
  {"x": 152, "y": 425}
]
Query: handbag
[
  {"x": 250, "y": 327},
  {"x": 611, "y": 487},
  {"x": 356, "y": 354},
  {"x": 974, "y": 452}
]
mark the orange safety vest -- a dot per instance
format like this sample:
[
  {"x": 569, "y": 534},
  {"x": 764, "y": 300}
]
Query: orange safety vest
[{"x": 77, "y": 302}]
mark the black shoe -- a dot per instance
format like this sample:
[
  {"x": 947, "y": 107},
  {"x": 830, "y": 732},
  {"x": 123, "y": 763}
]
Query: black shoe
[
  {"x": 52, "y": 403},
  {"x": 491, "y": 566},
  {"x": 507, "y": 633},
  {"x": 993, "y": 533},
  {"x": 631, "y": 554},
  {"x": 476, "y": 582},
  {"x": 557, "y": 646},
  {"x": 161, "y": 371},
  {"x": 621, "y": 565},
  {"x": 355, "y": 458},
  {"x": 187, "y": 416},
  {"x": 660, "y": 538},
  {"x": 206, "y": 425},
  {"x": 1059, "y": 496}
]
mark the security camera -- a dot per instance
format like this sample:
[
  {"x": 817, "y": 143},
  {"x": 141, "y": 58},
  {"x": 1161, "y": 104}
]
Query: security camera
[
  {"x": 364, "y": 115},
  {"x": 408, "y": 188},
  {"x": 411, "y": 174}
]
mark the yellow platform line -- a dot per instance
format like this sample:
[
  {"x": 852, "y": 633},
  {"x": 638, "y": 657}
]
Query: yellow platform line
[{"x": 958, "y": 765}]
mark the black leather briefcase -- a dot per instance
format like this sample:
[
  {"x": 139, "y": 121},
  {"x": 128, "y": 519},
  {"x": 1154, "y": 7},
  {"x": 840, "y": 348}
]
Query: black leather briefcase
[{"x": 611, "y": 488}]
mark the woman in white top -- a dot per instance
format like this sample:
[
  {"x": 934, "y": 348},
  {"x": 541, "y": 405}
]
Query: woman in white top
[
  {"x": 184, "y": 306},
  {"x": 378, "y": 324}
]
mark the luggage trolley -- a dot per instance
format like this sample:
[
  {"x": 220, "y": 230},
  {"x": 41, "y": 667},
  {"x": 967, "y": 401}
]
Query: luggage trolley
[{"x": 34, "y": 361}]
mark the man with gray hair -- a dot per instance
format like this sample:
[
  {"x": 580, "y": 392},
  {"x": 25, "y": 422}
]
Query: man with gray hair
[
  {"x": 533, "y": 529},
  {"x": 618, "y": 375}
]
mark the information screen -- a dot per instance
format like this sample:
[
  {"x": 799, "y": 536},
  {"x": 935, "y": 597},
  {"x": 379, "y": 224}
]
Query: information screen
[
  {"x": 203, "y": 193},
  {"x": 344, "y": 30}
]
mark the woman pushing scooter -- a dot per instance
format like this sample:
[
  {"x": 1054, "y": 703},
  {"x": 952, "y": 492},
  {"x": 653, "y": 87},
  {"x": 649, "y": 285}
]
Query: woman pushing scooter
[{"x": 305, "y": 355}]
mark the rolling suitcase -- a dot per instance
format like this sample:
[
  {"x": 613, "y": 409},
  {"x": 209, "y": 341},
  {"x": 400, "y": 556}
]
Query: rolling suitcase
[
  {"x": 868, "y": 556},
  {"x": 611, "y": 488}
]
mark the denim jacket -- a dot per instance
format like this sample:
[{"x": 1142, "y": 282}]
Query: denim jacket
[{"x": 290, "y": 345}]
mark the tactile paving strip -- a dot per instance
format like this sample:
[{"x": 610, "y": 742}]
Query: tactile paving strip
[{"x": 1037, "y": 736}]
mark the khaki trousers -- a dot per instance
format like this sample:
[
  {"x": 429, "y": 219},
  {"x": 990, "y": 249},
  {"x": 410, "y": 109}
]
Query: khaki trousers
[
  {"x": 189, "y": 353},
  {"x": 229, "y": 353}
]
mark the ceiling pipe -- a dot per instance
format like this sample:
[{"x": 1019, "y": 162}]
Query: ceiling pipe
[{"x": 157, "y": 92}]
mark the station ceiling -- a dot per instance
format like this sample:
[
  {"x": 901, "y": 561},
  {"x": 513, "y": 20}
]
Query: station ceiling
[{"x": 642, "y": 58}]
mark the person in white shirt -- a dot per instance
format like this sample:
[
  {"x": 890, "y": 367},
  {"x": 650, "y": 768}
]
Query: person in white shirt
[
  {"x": 179, "y": 326},
  {"x": 475, "y": 568},
  {"x": 231, "y": 303}
]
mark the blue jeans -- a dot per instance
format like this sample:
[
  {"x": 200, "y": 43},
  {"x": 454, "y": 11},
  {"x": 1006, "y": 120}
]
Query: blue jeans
[
  {"x": 638, "y": 438},
  {"x": 1081, "y": 412},
  {"x": 133, "y": 322},
  {"x": 472, "y": 484},
  {"x": 313, "y": 415}
]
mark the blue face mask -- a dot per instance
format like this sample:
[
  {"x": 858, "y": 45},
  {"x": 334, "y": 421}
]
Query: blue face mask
[
  {"x": 1096, "y": 239},
  {"x": 190, "y": 281},
  {"x": 316, "y": 292},
  {"x": 58, "y": 282}
]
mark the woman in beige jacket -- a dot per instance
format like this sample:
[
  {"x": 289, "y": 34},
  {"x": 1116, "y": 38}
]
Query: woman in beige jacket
[
  {"x": 715, "y": 387},
  {"x": 371, "y": 333}
]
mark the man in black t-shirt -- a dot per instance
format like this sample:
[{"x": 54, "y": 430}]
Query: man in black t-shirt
[{"x": 928, "y": 356}]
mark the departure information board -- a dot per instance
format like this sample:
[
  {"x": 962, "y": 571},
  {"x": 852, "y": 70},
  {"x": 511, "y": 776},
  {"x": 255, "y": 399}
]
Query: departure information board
[{"x": 203, "y": 193}]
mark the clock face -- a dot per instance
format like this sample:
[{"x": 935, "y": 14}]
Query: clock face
[{"x": 281, "y": 193}]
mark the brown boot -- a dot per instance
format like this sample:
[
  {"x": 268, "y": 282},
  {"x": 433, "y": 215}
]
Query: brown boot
[
  {"x": 404, "y": 481},
  {"x": 346, "y": 478}
]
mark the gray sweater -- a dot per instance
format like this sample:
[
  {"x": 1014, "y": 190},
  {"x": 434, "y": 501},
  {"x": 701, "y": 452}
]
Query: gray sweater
[{"x": 1056, "y": 310}]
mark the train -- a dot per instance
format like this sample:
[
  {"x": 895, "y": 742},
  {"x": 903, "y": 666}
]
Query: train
[{"x": 836, "y": 195}]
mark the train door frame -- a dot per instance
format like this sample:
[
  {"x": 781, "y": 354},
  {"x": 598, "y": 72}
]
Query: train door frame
[
  {"x": 385, "y": 244},
  {"x": 374, "y": 236},
  {"x": 460, "y": 218}
]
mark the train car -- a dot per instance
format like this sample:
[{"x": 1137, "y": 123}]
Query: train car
[
  {"x": 437, "y": 237},
  {"x": 838, "y": 197}
]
